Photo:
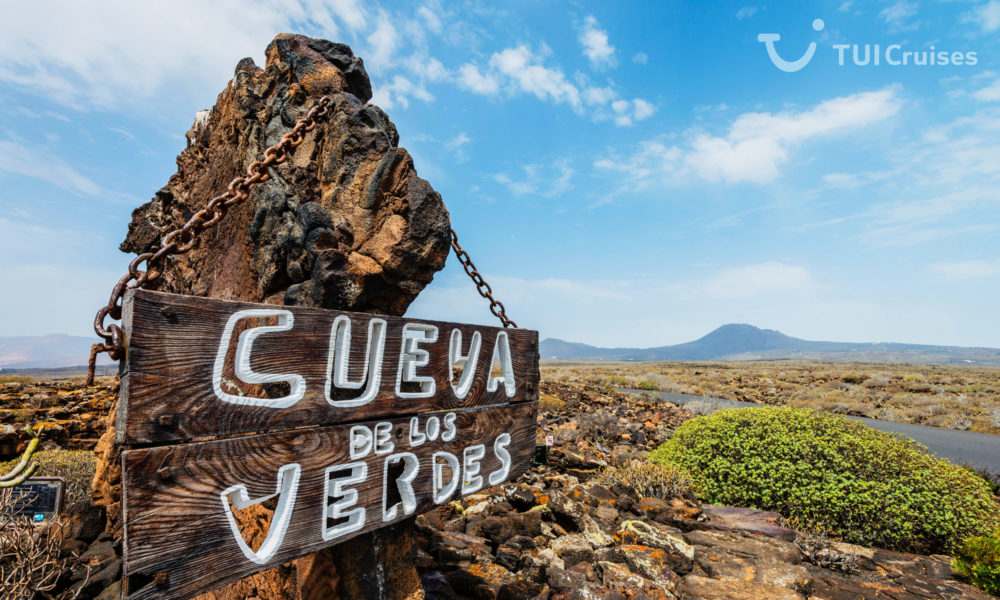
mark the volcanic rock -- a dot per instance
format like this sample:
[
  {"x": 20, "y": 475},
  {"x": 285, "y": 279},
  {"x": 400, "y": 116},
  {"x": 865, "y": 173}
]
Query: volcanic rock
[{"x": 344, "y": 224}]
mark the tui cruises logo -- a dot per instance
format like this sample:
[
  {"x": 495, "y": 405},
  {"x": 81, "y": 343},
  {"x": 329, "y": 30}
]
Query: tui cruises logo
[
  {"x": 863, "y": 55},
  {"x": 789, "y": 66}
]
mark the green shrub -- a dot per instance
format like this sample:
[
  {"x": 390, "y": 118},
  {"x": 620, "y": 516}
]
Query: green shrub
[
  {"x": 979, "y": 560},
  {"x": 647, "y": 479},
  {"x": 647, "y": 385},
  {"x": 616, "y": 381},
  {"x": 830, "y": 475},
  {"x": 547, "y": 402},
  {"x": 75, "y": 466}
]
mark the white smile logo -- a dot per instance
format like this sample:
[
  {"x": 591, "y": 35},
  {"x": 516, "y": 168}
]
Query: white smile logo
[{"x": 784, "y": 65}]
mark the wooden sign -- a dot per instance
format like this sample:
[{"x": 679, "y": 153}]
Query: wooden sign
[{"x": 261, "y": 433}]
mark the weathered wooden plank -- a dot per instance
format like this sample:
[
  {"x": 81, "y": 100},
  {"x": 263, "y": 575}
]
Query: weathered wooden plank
[
  {"x": 176, "y": 522},
  {"x": 168, "y": 393}
]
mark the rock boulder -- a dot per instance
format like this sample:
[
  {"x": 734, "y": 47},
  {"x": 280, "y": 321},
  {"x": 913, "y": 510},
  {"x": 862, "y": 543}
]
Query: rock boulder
[{"x": 345, "y": 224}]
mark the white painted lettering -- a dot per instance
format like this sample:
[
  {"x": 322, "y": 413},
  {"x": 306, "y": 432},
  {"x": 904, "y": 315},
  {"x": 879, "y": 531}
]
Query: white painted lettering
[
  {"x": 450, "y": 431},
  {"x": 404, "y": 483},
  {"x": 433, "y": 428},
  {"x": 471, "y": 479},
  {"x": 383, "y": 438},
  {"x": 242, "y": 369},
  {"x": 411, "y": 357},
  {"x": 501, "y": 353},
  {"x": 442, "y": 492},
  {"x": 338, "y": 359},
  {"x": 335, "y": 488},
  {"x": 417, "y": 437},
  {"x": 500, "y": 449},
  {"x": 360, "y": 441},
  {"x": 467, "y": 361},
  {"x": 286, "y": 490}
]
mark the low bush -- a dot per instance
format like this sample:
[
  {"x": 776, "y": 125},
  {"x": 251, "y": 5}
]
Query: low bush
[
  {"x": 75, "y": 466},
  {"x": 616, "y": 381},
  {"x": 646, "y": 384},
  {"x": 833, "y": 476},
  {"x": 547, "y": 402},
  {"x": 979, "y": 560},
  {"x": 647, "y": 479}
]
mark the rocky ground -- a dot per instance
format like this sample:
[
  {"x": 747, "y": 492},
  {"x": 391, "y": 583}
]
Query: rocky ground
[
  {"x": 71, "y": 414},
  {"x": 559, "y": 534},
  {"x": 561, "y": 531}
]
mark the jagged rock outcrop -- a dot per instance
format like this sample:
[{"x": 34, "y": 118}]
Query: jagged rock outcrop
[{"x": 345, "y": 224}]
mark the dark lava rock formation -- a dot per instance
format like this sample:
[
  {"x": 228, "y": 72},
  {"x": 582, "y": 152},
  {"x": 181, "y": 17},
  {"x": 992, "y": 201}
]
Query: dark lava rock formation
[{"x": 346, "y": 223}]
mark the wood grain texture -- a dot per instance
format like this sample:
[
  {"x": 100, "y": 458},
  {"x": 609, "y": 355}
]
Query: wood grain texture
[
  {"x": 167, "y": 392},
  {"x": 176, "y": 525}
]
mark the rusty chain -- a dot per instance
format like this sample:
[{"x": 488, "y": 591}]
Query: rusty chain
[
  {"x": 183, "y": 239},
  {"x": 484, "y": 289}
]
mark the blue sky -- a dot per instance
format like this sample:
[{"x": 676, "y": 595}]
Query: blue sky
[{"x": 622, "y": 173}]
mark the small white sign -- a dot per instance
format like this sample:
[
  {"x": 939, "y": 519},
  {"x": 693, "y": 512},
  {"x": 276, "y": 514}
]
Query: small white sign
[{"x": 550, "y": 440}]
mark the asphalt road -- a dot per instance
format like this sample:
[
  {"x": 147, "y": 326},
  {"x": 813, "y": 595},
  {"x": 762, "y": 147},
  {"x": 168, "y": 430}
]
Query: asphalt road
[{"x": 979, "y": 450}]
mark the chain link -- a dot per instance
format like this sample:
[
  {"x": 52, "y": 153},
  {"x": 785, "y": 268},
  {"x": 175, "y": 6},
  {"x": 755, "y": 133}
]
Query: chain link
[
  {"x": 484, "y": 289},
  {"x": 183, "y": 239}
]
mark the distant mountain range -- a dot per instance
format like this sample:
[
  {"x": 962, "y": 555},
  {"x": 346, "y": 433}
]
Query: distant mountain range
[
  {"x": 737, "y": 342},
  {"x": 47, "y": 351},
  {"x": 727, "y": 343}
]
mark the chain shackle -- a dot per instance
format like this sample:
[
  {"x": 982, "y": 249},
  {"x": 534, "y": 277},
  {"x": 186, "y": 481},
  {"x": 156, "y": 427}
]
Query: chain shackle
[
  {"x": 484, "y": 289},
  {"x": 185, "y": 238}
]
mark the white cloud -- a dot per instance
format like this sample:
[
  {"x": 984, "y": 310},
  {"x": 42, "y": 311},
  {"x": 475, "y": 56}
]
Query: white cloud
[
  {"x": 458, "y": 141},
  {"x": 642, "y": 109},
  {"x": 120, "y": 53},
  {"x": 757, "y": 144},
  {"x": 745, "y": 12},
  {"x": 990, "y": 93},
  {"x": 519, "y": 70},
  {"x": 426, "y": 68},
  {"x": 942, "y": 184},
  {"x": 548, "y": 181},
  {"x": 398, "y": 93},
  {"x": 653, "y": 158},
  {"x": 640, "y": 58},
  {"x": 969, "y": 269},
  {"x": 472, "y": 79},
  {"x": 347, "y": 11},
  {"x": 525, "y": 69},
  {"x": 457, "y": 144},
  {"x": 768, "y": 278},
  {"x": 625, "y": 112},
  {"x": 40, "y": 164},
  {"x": 598, "y": 95},
  {"x": 842, "y": 180},
  {"x": 986, "y": 16},
  {"x": 596, "y": 48},
  {"x": 898, "y": 14},
  {"x": 382, "y": 42},
  {"x": 431, "y": 20}
]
